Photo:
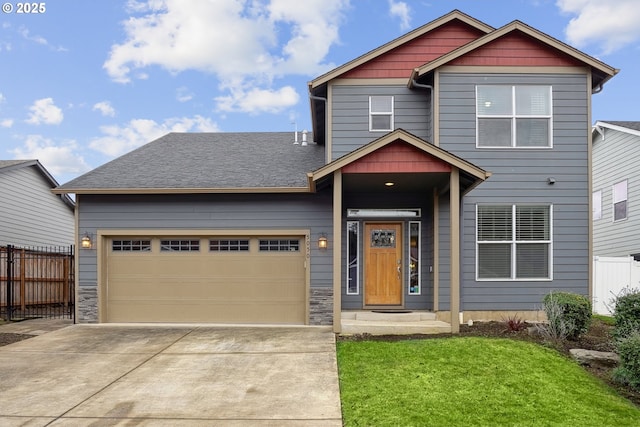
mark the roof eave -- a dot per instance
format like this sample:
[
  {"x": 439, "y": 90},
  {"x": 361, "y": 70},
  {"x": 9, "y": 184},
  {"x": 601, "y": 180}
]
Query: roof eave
[
  {"x": 238, "y": 190},
  {"x": 409, "y": 138},
  {"x": 607, "y": 70},
  {"x": 455, "y": 14}
]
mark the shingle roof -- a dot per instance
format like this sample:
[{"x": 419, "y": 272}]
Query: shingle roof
[
  {"x": 628, "y": 125},
  {"x": 208, "y": 161}
]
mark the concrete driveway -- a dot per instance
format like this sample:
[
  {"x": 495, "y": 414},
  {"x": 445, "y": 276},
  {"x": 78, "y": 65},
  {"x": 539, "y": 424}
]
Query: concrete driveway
[{"x": 117, "y": 375}]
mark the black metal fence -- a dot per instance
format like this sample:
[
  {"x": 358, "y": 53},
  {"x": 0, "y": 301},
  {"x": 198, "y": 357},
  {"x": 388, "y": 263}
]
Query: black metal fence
[{"x": 37, "y": 282}]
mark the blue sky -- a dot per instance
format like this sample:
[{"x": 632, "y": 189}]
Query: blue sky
[{"x": 86, "y": 81}]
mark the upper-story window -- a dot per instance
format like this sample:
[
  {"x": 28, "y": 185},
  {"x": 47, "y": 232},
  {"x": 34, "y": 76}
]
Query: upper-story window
[
  {"x": 380, "y": 113},
  {"x": 513, "y": 116},
  {"x": 597, "y": 204},
  {"x": 620, "y": 201}
]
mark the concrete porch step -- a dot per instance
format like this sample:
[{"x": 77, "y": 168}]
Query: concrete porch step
[{"x": 376, "y": 323}]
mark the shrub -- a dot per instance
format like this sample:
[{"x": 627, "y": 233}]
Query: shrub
[
  {"x": 557, "y": 327},
  {"x": 626, "y": 313},
  {"x": 515, "y": 323},
  {"x": 628, "y": 349},
  {"x": 574, "y": 312}
]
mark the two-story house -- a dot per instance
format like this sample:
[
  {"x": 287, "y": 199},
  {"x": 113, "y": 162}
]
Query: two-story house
[
  {"x": 616, "y": 189},
  {"x": 30, "y": 215},
  {"x": 448, "y": 171}
]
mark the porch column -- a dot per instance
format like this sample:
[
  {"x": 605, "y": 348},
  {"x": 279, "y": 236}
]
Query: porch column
[
  {"x": 454, "y": 225},
  {"x": 337, "y": 251}
]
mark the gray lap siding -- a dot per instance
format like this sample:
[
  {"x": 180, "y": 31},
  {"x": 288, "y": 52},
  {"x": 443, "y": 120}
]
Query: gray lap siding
[
  {"x": 520, "y": 176},
  {"x": 350, "y": 119},
  {"x": 207, "y": 212}
]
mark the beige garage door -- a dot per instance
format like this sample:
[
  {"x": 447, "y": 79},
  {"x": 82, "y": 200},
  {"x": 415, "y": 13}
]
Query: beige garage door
[{"x": 192, "y": 279}]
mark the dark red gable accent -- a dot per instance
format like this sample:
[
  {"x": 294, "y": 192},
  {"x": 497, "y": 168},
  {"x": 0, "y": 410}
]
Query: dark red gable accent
[
  {"x": 399, "y": 62},
  {"x": 516, "y": 49},
  {"x": 397, "y": 156}
]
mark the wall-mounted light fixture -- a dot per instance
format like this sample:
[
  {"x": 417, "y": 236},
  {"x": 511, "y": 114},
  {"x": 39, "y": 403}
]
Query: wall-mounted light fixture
[
  {"x": 323, "y": 243},
  {"x": 551, "y": 180},
  {"x": 86, "y": 242}
]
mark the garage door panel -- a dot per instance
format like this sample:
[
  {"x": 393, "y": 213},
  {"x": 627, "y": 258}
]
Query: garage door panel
[
  {"x": 203, "y": 286},
  {"x": 195, "y": 311}
]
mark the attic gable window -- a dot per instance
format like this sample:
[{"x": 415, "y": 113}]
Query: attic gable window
[
  {"x": 380, "y": 113},
  {"x": 514, "y": 116}
]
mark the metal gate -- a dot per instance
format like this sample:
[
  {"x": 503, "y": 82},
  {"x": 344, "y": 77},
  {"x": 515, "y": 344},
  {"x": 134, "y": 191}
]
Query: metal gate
[{"x": 37, "y": 282}]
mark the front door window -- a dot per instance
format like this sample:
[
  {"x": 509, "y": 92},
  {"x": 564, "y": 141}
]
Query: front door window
[{"x": 383, "y": 239}]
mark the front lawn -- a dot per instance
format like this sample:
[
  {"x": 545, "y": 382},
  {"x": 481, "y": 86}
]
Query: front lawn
[{"x": 471, "y": 381}]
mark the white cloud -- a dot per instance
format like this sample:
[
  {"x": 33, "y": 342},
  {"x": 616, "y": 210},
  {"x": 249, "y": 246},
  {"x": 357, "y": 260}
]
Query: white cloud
[
  {"x": 183, "y": 94},
  {"x": 105, "y": 108},
  {"x": 24, "y": 32},
  {"x": 243, "y": 42},
  {"x": 61, "y": 158},
  {"x": 45, "y": 111},
  {"x": 6, "y": 123},
  {"x": 2, "y": 98},
  {"x": 401, "y": 10},
  {"x": 610, "y": 24},
  {"x": 258, "y": 100},
  {"x": 118, "y": 140}
]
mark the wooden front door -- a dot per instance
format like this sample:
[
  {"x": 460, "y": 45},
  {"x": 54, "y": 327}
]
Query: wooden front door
[{"x": 383, "y": 264}]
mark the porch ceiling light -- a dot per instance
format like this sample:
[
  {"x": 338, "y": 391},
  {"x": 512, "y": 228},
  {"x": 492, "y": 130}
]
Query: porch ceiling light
[
  {"x": 323, "y": 243},
  {"x": 86, "y": 242},
  {"x": 389, "y": 184}
]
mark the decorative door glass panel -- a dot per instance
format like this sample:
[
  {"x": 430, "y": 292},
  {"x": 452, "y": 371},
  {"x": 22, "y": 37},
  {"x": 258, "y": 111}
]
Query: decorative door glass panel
[{"x": 383, "y": 238}]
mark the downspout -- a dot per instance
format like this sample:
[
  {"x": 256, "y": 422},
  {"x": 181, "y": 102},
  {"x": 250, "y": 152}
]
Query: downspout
[{"x": 420, "y": 85}]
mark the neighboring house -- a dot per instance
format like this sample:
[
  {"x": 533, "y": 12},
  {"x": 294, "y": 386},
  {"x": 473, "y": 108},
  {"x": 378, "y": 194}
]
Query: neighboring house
[
  {"x": 30, "y": 214},
  {"x": 449, "y": 172},
  {"x": 616, "y": 189}
]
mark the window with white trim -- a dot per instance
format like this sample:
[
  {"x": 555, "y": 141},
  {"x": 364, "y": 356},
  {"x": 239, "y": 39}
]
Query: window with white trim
[
  {"x": 353, "y": 264},
  {"x": 620, "y": 201},
  {"x": 514, "y": 116},
  {"x": 380, "y": 113},
  {"x": 514, "y": 242},
  {"x": 596, "y": 201}
]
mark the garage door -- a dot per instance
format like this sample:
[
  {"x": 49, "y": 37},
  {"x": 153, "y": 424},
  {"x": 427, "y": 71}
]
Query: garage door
[{"x": 194, "y": 279}]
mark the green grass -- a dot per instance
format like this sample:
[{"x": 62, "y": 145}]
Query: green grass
[
  {"x": 609, "y": 320},
  {"x": 472, "y": 381}
]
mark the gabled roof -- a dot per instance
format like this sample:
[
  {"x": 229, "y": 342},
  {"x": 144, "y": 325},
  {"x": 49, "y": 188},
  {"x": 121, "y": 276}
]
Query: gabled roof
[
  {"x": 206, "y": 163},
  {"x": 474, "y": 174},
  {"x": 632, "y": 128},
  {"x": 601, "y": 71},
  {"x": 418, "y": 32},
  {"x": 8, "y": 165}
]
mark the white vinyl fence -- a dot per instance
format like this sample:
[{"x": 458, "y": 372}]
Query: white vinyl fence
[{"x": 610, "y": 276}]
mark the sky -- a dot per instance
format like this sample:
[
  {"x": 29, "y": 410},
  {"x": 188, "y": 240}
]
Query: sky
[{"x": 83, "y": 82}]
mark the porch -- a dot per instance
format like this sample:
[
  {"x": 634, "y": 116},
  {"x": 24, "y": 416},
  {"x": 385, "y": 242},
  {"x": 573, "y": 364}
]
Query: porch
[{"x": 392, "y": 323}]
